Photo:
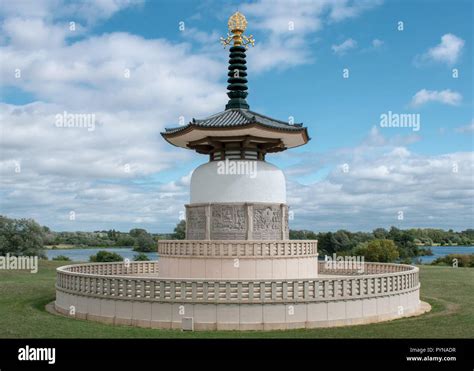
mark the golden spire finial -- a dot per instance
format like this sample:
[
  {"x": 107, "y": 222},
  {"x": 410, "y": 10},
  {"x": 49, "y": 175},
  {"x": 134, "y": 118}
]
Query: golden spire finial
[{"x": 237, "y": 25}]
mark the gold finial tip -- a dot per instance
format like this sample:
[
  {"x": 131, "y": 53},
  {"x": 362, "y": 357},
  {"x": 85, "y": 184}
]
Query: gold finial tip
[
  {"x": 237, "y": 25},
  {"x": 237, "y": 22}
]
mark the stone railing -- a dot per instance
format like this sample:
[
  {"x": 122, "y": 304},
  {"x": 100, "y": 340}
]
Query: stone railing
[
  {"x": 121, "y": 268},
  {"x": 238, "y": 248},
  {"x": 103, "y": 283},
  {"x": 352, "y": 269}
]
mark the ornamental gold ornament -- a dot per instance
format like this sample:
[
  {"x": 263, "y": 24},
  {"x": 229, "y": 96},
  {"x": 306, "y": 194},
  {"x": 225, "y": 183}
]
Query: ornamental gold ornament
[{"x": 237, "y": 25}]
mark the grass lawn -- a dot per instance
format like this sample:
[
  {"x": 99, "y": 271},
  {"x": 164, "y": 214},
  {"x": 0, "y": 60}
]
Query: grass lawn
[{"x": 23, "y": 297}]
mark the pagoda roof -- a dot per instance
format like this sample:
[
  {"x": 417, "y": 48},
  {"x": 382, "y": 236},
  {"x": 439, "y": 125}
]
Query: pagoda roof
[{"x": 237, "y": 122}]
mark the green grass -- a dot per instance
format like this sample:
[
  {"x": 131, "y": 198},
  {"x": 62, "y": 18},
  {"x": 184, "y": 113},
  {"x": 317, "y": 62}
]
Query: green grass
[{"x": 23, "y": 297}]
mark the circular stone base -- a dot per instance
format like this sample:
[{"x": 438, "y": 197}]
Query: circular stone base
[
  {"x": 423, "y": 308},
  {"x": 135, "y": 294}
]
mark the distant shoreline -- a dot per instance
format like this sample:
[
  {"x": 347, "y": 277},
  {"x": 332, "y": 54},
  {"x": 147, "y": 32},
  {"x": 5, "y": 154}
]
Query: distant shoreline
[{"x": 69, "y": 247}]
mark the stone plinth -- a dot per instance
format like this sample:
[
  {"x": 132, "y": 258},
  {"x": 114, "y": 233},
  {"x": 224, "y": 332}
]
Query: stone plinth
[{"x": 237, "y": 221}]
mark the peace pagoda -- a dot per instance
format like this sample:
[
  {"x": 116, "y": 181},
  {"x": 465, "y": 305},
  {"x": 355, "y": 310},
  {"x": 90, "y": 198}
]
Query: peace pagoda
[
  {"x": 237, "y": 269},
  {"x": 243, "y": 206}
]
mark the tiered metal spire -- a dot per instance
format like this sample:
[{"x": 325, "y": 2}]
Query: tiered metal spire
[
  {"x": 237, "y": 88},
  {"x": 251, "y": 135}
]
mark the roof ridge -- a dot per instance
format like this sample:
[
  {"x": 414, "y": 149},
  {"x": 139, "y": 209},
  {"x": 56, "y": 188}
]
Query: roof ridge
[
  {"x": 271, "y": 118},
  {"x": 238, "y": 117},
  {"x": 244, "y": 115},
  {"x": 208, "y": 117}
]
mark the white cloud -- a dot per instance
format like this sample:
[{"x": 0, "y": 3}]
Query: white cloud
[
  {"x": 163, "y": 76},
  {"x": 380, "y": 179},
  {"x": 194, "y": 34},
  {"x": 290, "y": 28},
  {"x": 73, "y": 169},
  {"x": 469, "y": 128},
  {"x": 108, "y": 175},
  {"x": 376, "y": 43},
  {"x": 447, "y": 51},
  {"x": 89, "y": 11},
  {"x": 375, "y": 141},
  {"x": 25, "y": 8},
  {"x": 34, "y": 33},
  {"x": 343, "y": 9},
  {"x": 446, "y": 96},
  {"x": 344, "y": 47}
]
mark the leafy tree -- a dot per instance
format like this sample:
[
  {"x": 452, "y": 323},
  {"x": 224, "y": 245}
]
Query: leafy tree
[
  {"x": 144, "y": 242},
  {"x": 302, "y": 235},
  {"x": 125, "y": 240},
  {"x": 112, "y": 234},
  {"x": 359, "y": 237},
  {"x": 21, "y": 237},
  {"x": 380, "y": 233},
  {"x": 180, "y": 231},
  {"x": 105, "y": 256},
  {"x": 405, "y": 241},
  {"x": 136, "y": 232},
  {"x": 436, "y": 235},
  {"x": 384, "y": 251},
  {"x": 324, "y": 243},
  {"x": 340, "y": 241}
]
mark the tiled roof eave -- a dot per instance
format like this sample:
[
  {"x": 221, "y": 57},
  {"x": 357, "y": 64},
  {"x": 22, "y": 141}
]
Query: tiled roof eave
[{"x": 191, "y": 126}]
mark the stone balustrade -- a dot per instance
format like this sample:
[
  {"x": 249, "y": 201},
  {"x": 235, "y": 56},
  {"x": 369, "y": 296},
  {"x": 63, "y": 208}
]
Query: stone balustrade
[
  {"x": 115, "y": 281},
  {"x": 121, "y": 268},
  {"x": 238, "y": 248},
  {"x": 366, "y": 268}
]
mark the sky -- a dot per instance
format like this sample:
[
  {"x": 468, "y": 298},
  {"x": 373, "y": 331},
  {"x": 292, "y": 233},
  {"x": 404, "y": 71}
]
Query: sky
[{"x": 345, "y": 69}]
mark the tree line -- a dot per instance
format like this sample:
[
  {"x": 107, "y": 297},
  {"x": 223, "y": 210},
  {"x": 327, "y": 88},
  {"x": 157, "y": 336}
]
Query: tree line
[
  {"x": 27, "y": 237},
  {"x": 409, "y": 242}
]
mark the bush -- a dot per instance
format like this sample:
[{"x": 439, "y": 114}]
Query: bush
[
  {"x": 464, "y": 260},
  {"x": 141, "y": 257},
  {"x": 407, "y": 260},
  {"x": 422, "y": 251},
  {"x": 106, "y": 256},
  {"x": 61, "y": 258}
]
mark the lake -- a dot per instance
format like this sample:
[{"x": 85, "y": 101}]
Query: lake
[
  {"x": 82, "y": 255},
  {"x": 439, "y": 251}
]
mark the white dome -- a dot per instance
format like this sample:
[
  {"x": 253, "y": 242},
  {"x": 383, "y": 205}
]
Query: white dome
[{"x": 238, "y": 181}]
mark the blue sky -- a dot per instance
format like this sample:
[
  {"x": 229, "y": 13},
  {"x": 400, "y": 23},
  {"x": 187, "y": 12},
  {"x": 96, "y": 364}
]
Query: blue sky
[{"x": 51, "y": 173}]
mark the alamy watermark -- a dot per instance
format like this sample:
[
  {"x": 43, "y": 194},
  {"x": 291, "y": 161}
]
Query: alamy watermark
[
  {"x": 11, "y": 262},
  {"x": 400, "y": 120},
  {"x": 37, "y": 354},
  {"x": 75, "y": 120},
  {"x": 349, "y": 263},
  {"x": 237, "y": 167}
]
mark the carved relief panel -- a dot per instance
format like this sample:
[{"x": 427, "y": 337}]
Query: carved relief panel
[
  {"x": 228, "y": 222},
  {"x": 237, "y": 222},
  {"x": 267, "y": 222},
  {"x": 196, "y": 223}
]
